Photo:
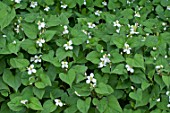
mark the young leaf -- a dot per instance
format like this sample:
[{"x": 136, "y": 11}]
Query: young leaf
[
  {"x": 83, "y": 106},
  {"x": 69, "y": 77}
]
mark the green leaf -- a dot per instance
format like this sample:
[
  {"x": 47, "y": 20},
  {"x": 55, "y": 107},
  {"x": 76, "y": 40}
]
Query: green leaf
[
  {"x": 104, "y": 89},
  {"x": 11, "y": 80},
  {"x": 69, "y": 77},
  {"x": 83, "y": 106},
  {"x": 101, "y": 104},
  {"x": 127, "y": 13},
  {"x": 30, "y": 30},
  {"x": 29, "y": 46},
  {"x": 15, "y": 104},
  {"x": 138, "y": 61},
  {"x": 119, "y": 69},
  {"x": 93, "y": 57},
  {"x": 35, "y": 104},
  {"x": 48, "y": 106},
  {"x": 71, "y": 109},
  {"x": 117, "y": 57},
  {"x": 7, "y": 18},
  {"x": 38, "y": 92},
  {"x": 62, "y": 54},
  {"x": 49, "y": 34},
  {"x": 40, "y": 85},
  {"x": 113, "y": 109},
  {"x": 19, "y": 63},
  {"x": 137, "y": 95},
  {"x": 166, "y": 80},
  {"x": 49, "y": 2}
]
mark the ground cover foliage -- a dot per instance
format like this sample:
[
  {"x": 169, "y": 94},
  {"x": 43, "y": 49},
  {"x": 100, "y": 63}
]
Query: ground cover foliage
[{"x": 84, "y": 56}]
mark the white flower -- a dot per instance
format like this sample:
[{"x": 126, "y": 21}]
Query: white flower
[
  {"x": 91, "y": 79},
  {"x": 91, "y": 25},
  {"x": 158, "y": 67},
  {"x": 102, "y": 64},
  {"x": 36, "y": 59},
  {"x": 31, "y": 69},
  {"x": 118, "y": 30},
  {"x": 84, "y": 2},
  {"x": 158, "y": 100},
  {"x": 77, "y": 93},
  {"x": 64, "y": 6},
  {"x": 17, "y": 1},
  {"x": 133, "y": 29},
  {"x": 66, "y": 31},
  {"x": 116, "y": 23},
  {"x": 168, "y": 105},
  {"x": 166, "y": 56},
  {"x": 64, "y": 64},
  {"x": 167, "y": 93},
  {"x": 33, "y": 4},
  {"x": 168, "y": 7},
  {"x": 129, "y": 68},
  {"x": 127, "y": 48},
  {"x": 87, "y": 41},
  {"x": 41, "y": 25},
  {"x": 58, "y": 102},
  {"x": 68, "y": 46},
  {"x": 23, "y": 101},
  {"x": 97, "y": 13},
  {"x": 104, "y": 61},
  {"x": 154, "y": 48},
  {"x": 104, "y": 3},
  {"x": 4, "y": 36},
  {"x": 40, "y": 42},
  {"x": 137, "y": 14},
  {"x": 14, "y": 42},
  {"x": 132, "y": 87},
  {"x": 47, "y": 8}
]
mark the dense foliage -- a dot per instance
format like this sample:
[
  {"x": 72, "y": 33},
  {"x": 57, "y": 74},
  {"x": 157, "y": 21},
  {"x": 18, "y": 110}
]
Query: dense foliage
[{"x": 84, "y": 56}]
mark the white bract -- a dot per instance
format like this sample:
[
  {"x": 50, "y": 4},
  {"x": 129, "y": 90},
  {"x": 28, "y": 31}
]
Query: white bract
[
  {"x": 127, "y": 48},
  {"x": 47, "y": 8},
  {"x": 91, "y": 25},
  {"x": 14, "y": 42},
  {"x": 41, "y": 25},
  {"x": 158, "y": 100},
  {"x": 33, "y": 4},
  {"x": 104, "y": 60},
  {"x": 58, "y": 102},
  {"x": 97, "y": 13},
  {"x": 31, "y": 69},
  {"x": 168, "y": 105},
  {"x": 17, "y": 1},
  {"x": 40, "y": 42},
  {"x": 137, "y": 14},
  {"x": 91, "y": 80},
  {"x": 77, "y": 93},
  {"x": 154, "y": 48},
  {"x": 36, "y": 59},
  {"x": 64, "y": 64},
  {"x": 84, "y": 2},
  {"x": 68, "y": 46},
  {"x": 104, "y": 3},
  {"x": 168, "y": 7},
  {"x": 130, "y": 69},
  {"x": 64, "y": 6},
  {"x": 66, "y": 31},
  {"x": 23, "y": 101},
  {"x": 116, "y": 23}
]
